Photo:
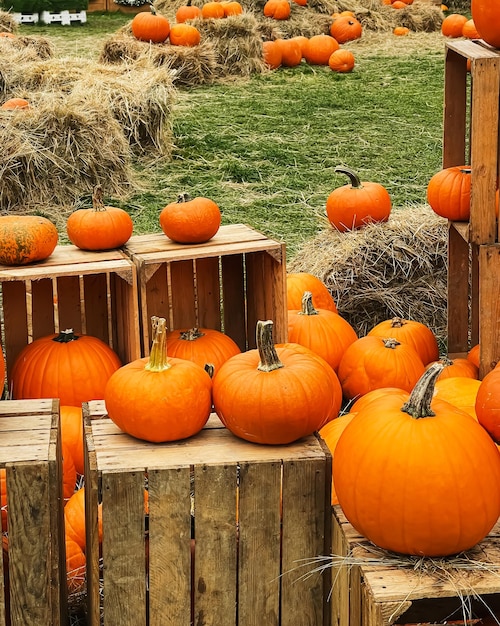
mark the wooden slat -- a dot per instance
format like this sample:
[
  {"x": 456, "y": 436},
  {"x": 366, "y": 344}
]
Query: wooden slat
[
  {"x": 458, "y": 292},
  {"x": 489, "y": 307},
  {"x": 183, "y": 294},
  {"x": 208, "y": 293},
  {"x": 234, "y": 307},
  {"x": 455, "y": 109}
]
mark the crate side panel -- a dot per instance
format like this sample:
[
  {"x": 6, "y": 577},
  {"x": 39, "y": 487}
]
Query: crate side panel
[
  {"x": 234, "y": 308},
  {"x": 208, "y": 293},
  {"x": 14, "y": 320},
  {"x": 489, "y": 305},
  {"x": 126, "y": 333},
  {"x": 215, "y": 544},
  {"x": 154, "y": 299},
  {"x": 458, "y": 291},
  {"x": 97, "y": 306},
  {"x": 339, "y": 599},
  {"x": 170, "y": 546},
  {"x": 259, "y": 544},
  {"x": 123, "y": 549},
  {"x": 182, "y": 280},
  {"x": 455, "y": 110},
  {"x": 69, "y": 303},
  {"x": 43, "y": 321}
]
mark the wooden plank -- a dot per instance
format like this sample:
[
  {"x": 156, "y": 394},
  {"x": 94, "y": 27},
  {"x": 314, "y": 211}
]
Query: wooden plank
[
  {"x": 215, "y": 563},
  {"x": 125, "y": 333},
  {"x": 15, "y": 321},
  {"x": 37, "y": 272},
  {"x": 154, "y": 300},
  {"x": 234, "y": 307},
  {"x": 95, "y": 313},
  {"x": 339, "y": 599},
  {"x": 458, "y": 292},
  {"x": 169, "y": 546},
  {"x": 208, "y": 293},
  {"x": 489, "y": 306},
  {"x": 183, "y": 294},
  {"x": 259, "y": 544},
  {"x": 455, "y": 108},
  {"x": 42, "y": 322}
]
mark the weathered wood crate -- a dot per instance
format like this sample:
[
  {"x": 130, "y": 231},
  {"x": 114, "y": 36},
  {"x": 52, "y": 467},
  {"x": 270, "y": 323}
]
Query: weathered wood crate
[
  {"x": 33, "y": 579},
  {"x": 231, "y": 530},
  {"x": 91, "y": 292},
  {"x": 370, "y": 591},
  {"x": 227, "y": 283},
  {"x": 471, "y": 136}
]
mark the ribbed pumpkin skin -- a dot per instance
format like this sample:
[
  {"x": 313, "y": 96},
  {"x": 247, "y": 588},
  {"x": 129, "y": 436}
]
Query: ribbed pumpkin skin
[
  {"x": 319, "y": 49},
  {"x": 26, "y": 238},
  {"x": 168, "y": 405},
  {"x": 346, "y": 28},
  {"x": 416, "y": 334},
  {"x": 486, "y": 16},
  {"x": 201, "y": 345},
  {"x": 298, "y": 282},
  {"x": 448, "y": 193},
  {"x": 488, "y": 403},
  {"x": 74, "y": 372},
  {"x": 105, "y": 229},
  {"x": 190, "y": 221},
  {"x": 150, "y": 27},
  {"x": 330, "y": 433},
  {"x": 72, "y": 434},
  {"x": 459, "y": 391},
  {"x": 426, "y": 487},
  {"x": 184, "y": 35}
]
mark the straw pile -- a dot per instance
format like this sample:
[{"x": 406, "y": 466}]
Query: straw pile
[
  {"x": 7, "y": 23},
  {"x": 398, "y": 268}
]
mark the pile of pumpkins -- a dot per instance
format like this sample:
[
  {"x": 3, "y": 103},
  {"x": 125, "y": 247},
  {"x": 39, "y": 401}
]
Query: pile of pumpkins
[{"x": 484, "y": 23}]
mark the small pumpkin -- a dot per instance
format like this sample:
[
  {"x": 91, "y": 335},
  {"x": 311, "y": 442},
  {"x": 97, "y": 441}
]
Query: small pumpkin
[
  {"x": 319, "y": 49},
  {"x": 342, "y": 61},
  {"x": 412, "y": 332},
  {"x": 272, "y": 54},
  {"x": 201, "y": 345},
  {"x": 232, "y": 7},
  {"x": 75, "y": 568},
  {"x": 299, "y": 282},
  {"x": 486, "y": 16},
  {"x": 346, "y": 28},
  {"x": 212, "y": 10},
  {"x": 398, "y": 4},
  {"x": 15, "y": 103},
  {"x": 150, "y": 26},
  {"x": 393, "y": 453},
  {"x": 469, "y": 30},
  {"x": 273, "y": 394},
  {"x": 453, "y": 24},
  {"x": 277, "y": 9},
  {"x": 401, "y": 31},
  {"x": 101, "y": 227},
  {"x": 72, "y": 434},
  {"x": 184, "y": 35},
  {"x": 353, "y": 206},
  {"x": 190, "y": 220},
  {"x": 448, "y": 193},
  {"x": 187, "y": 12},
  {"x": 488, "y": 403},
  {"x": 71, "y": 367},
  {"x": 461, "y": 367},
  {"x": 158, "y": 398},
  {"x": 291, "y": 52},
  {"x": 26, "y": 239}
]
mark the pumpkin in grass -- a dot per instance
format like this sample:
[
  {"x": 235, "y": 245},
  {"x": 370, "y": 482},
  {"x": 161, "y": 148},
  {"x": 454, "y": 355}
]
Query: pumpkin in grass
[
  {"x": 299, "y": 282},
  {"x": 486, "y": 16},
  {"x": 150, "y": 26},
  {"x": 15, "y": 103},
  {"x": 189, "y": 220},
  {"x": 271, "y": 394},
  {"x": 319, "y": 49},
  {"x": 346, "y": 28},
  {"x": 403, "y": 460},
  {"x": 416, "y": 334},
  {"x": 72, "y": 434},
  {"x": 277, "y": 9},
  {"x": 212, "y": 10},
  {"x": 302, "y": 40},
  {"x": 330, "y": 433},
  {"x": 359, "y": 203},
  {"x": 373, "y": 362},
  {"x": 101, "y": 227},
  {"x": 26, "y": 239},
  {"x": 453, "y": 24},
  {"x": 159, "y": 398},
  {"x": 322, "y": 331},
  {"x": 187, "y": 12},
  {"x": 184, "y": 35},
  {"x": 272, "y": 54},
  {"x": 65, "y": 365},
  {"x": 342, "y": 61},
  {"x": 457, "y": 367},
  {"x": 488, "y": 403},
  {"x": 291, "y": 52},
  {"x": 201, "y": 345},
  {"x": 448, "y": 193}
]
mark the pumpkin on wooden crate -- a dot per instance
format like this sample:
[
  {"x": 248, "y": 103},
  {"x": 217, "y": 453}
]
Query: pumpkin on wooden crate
[
  {"x": 190, "y": 220},
  {"x": 299, "y": 282},
  {"x": 412, "y": 332},
  {"x": 101, "y": 227},
  {"x": 448, "y": 193},
  {"x": 201, "y": 345},
  {"x": 69, "y": 366},
  {"x": 428, "y": 470},
  {"x": 159, "y": 398},
  {"x": 26, "y": 239},
  {"x": 330, "y": 433},
  {"x": 274, "y": 394},
  {"x": 486, "y": 16},
  {"x": 150, "y": 26},
  {"x": 354, "y": 205}
]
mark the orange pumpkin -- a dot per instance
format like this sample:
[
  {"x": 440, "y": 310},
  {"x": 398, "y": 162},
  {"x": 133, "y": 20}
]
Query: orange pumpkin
[
  {"x": 458, "y": 367},
  {"x": 26, "y": 239},
  {"x": 330, "y": 433},
  {"x": 277, "y": 9},
  {"x": 15, "y": 103},
  {"x": 187, "y": 12},
  {"x": 69, "y": 473},
  {"x": 346, "y": 28},
  {"x": 212, "y": 10},
  {"x": 75, "y": 568},
  {"x": 319, "y": 49},
  {"x": 353, "y": 206},
  {"x": 291, "y": 52},
  {"x": 474, "y": 355},
  {"x": 448, "y": 193},
  {"x": 398, "y": 4},
  {"x": 452, "y": 25},
  {"x": 417, "y": 335},
  {"x": 184, "y": 35},
  {"x": 202, "y": 346},
  {"x": 486, "y": 16},
  {"x": 101, "y": 227},
  {"x": 363, "y": 401},
  {"x": 190, "y": 220},
  {"x": 72, "y": 434},
  {"x": 150, "y": 26},
  {"x": 272, "y": 54},
  {"x": 74, "y": 519},
  {"x": 488, "y": 403},
  {"x": 157, "y": 398},
  {"x": 299, "y": 282},
  {"x": 342, "y": 61},
  {"x": 232, "y": 7},
  {"x": 401, "y": 31},
  {"x": 459, "y": 391},
  {"x": 71, "y": 367},
  {"x": 393, "y": 452},
  {"x": 469, "y": 30}
]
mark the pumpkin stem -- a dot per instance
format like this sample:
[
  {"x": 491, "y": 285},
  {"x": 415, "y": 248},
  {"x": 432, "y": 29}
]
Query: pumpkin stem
[
  {"x": 209, "y": 369},
  {"x": 397, "y": 322},
  {"x": 418, "y": 404},
  {"x": 183, "y": 197},
  {"x": 191, "y": 335},
  {"x": 269, "y": 359},
  {"x": 158, "y": 361},
  {"x": 353, "y": 177},
  {"x": 445, "y": 361},
  {"x": 97, "y": 199},
  {"x": 307, "y": 304},
  {"x": 391, "y": 343},
  {"x": 65, "y": 336}
]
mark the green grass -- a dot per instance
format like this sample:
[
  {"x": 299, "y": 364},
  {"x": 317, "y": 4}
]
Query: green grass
[{"x": 265, "y": 149}]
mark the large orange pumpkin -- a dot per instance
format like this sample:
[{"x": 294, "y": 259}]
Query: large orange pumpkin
[
  {"x": 189, "y": 220},
  {"x": 299, "y": 282},
  {"x": 274, "y": 394},
  {"x": 26, "y": 238},
  {"x": 158, "y": 398},
  {"x": 459, "y": 391},
  {"x": 150, "y": 26},
  {"x": 203, "y": 346},
  {"x": 319, "y": 49},
  {"x": 453, "y": 24},
  {"x": 486, "y": 16},
  {"x": 291, "y": 52},
  {"x": 330, "y": 433},
  {"x": 71, "y": 367},
  {"x": 277, "y": 9},
  {"x": 461, "y": 367},
  {"x": 403, "y": 462},
  {"x": 346, "y": 28},
  {"x": 359, "y": 203},
  {"x": 412, "y": 332}
]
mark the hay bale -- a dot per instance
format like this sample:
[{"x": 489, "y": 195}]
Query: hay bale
[
  {"x": 373, "y": 15},
  {"x": 31, "y": 47},
  {"x": 302, "y": 21},
  {"x": 57, "y": 150},
  {"x": 384, "y": 270},
  {"x": 60, "y": 74},
  {"x": 7, "y": 23}
]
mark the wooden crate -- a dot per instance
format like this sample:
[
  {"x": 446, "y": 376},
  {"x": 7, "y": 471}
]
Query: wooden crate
[
  {"x": 91, "y": 292},
  {"x": 230, "y": 524},
  {"x": 227, "y": 283},
  {"x": 471, "y": 136},
  {"x": 30, "y": 453},
  {"x": 367, "y": 593}
]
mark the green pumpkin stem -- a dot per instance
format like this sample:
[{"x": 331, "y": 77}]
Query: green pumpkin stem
[
  {"x": 158, "y": 361},
  {"x": 307, "y": 304},
  {"x": 353, "y": 177},
  {"x": 191, "y": 335},
  {"x": 97, "y": 199},
  {"x": 65, "y": 336},
  {"x": 269, "y": 360},
  {"x": 419, "y": 402}
]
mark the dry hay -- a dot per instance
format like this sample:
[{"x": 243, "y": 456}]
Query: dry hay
[
  {"x": 302, "y": 21},
  {"x": 29, "y": 47},
  {"x": 59, "y": 149},
  {"x": 189, "y": 66},
  {"x": 398, "y": 268},
  {"x": 7, "y": 23}
]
